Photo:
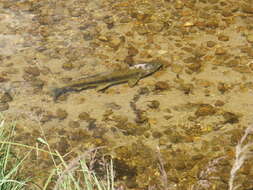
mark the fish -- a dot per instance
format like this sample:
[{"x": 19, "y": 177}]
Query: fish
[{"x": 104, "y": 80}]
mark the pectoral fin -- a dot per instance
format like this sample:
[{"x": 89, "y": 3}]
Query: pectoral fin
[
  {"x": 102, "y": 87},
  {"x": 132, "y": 82}
]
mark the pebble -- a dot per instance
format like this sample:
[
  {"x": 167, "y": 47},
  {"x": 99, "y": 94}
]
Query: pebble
[
  {"x": 154, "y": 104},
  {"x": 213, "y": 1},
  {"x": 195, "y": 67},
  {"x": 222, "y": 87},
  {"x": 189, "y": 60},
  {"x": 242, "y": 69},
  {"x": 47, "y": 117},
  {"x": 227, "y": 13},
  {"x": 198, "y": 156},
  {"x": 132, "y": 51},
  {"x": 6, "y": 97},
  {"x": 223, "y": 38},
  {"x": 125, "y": 19},
  {"x": 113, "y": 106},
  {"x": 2, "y": 79},
  {"x": 161, "y": 85},
  {"x": 37, "y": 83},
  {"x": 230, "y": 117},
  {"x": 84, "y": 116},
  {"x": 67, "y": 66},
  {"x": 87, "y": 36},
  {"x": 61, "y": 114},
  {"x": 220, "y": 51},
  {"x": 34, "y": 71},
  {"x": 143, "y": 91},
  {"x": 205, "y": 110},
  {"x": 114, "y": 43},
  {"x": 187, "y": 88},
  {"x": 219, "y": 103},
  {"x": 250, "y": 38},
  {"x": 45, "y": 70},
  {"x": 103, "y": 38},
  {"x": 4, "y": 106},
  {"x": 74, "y": 124},
  {"x": 210, "y": 44},
  {"x": 247, "y": 9},
  {"x": 157, "y": 134},
  {"x": 251, "y": 66},
  {"x": 155, "y": 27},
  {"x": 175, "y": 68}
]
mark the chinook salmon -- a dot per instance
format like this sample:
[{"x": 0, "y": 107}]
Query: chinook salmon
[{"x": 104, "y": 80}]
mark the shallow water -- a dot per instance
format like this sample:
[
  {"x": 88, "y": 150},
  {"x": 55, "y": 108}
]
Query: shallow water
[{"x": 195, "y": 109}]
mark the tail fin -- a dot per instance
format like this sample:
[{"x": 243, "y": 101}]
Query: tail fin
[{"x": 56, "y": 92}]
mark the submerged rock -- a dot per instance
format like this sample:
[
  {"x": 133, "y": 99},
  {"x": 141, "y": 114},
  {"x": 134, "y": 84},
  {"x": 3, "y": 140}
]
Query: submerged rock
[
  {"x": 6, "y": 97},
  {"x": 4, "y": 106},
  {"x": 230, "y": 117},
  {"x": 205, "y": 110}
]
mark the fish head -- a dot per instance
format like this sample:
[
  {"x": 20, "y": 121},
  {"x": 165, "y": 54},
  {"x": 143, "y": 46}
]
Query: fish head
[{"x": 149, "y": 67}]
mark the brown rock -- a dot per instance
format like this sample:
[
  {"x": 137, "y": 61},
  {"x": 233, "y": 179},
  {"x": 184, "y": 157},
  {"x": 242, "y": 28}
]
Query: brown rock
[
  {"x": 242, "y": 69},
  {"x": 34, "y": 71},
  {"x": 175, "y": 68},
  {"x": 114, "y": 43},
  {"x": 180, "y": 164},
  {"x": 113, "y": 106},
  {"x": 213, "y": 24},
  {"x": 37, "y": 83},
  {"x": 223, "y": 38},
  {"x": 103, "y": 38},
  {"x": 187, "y": 88},
  {"x": 213, "y": 1},
  {"x": 154, "y": 104},
  {"x": 230, "y": 117},
  {"x": 129, "y": 60},
  {"x": 222, "y": 87},
  {"x": 2, "y": 79},
  {"x": 189, "y": 60},
  {"x": 132, "y": 51},
  {"x": 4, "y": 106},
  {"x": 67, "y": 66},
  {"x": 162, "y": 85},
  {"x": 45, "y": 70},
  {"x": 219, "y": 103},
  {"x": 87, "y": 36},
  {"x": 84, "y": 116},
  {"x": 250, "y": 38},
  {"x": 210, "y": 44},
  {"x": 6, "y": 97},
  {"x": 47, "y": 117},
  {"x": 194, "y": 67},
  {"x": 74, "y": 124},
  {"x": 61, "y": 114},
  {"x": 205, "y": 110},
  {"x": 227, "y": 13},
  {"x": 157, "y": 134},
  {"x": 220, "y": 51},
  {"x": 247, "y": 9},
  {"x": 251, "y": 66},
  {"x": 155, "y": 27}
]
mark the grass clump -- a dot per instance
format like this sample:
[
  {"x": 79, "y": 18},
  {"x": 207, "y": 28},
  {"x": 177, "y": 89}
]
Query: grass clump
[
  {"x": 78, "y": 176},
  {"x": 74, "y": 175},
  {"x": 9, "y": 164}
]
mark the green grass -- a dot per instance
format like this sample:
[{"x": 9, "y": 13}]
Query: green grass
[
  {"x": 74, "y": 175},
  {"x": 8, "y": 175}
]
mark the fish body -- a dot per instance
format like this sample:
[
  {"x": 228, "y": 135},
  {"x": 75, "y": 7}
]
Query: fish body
[{"x": 105, "y": 80}]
